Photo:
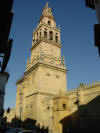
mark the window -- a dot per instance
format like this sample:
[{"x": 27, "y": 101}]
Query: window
[
  {"x": 48, "y": 108},
  {"x": 26, "y": 106},
  {"x": 31, "y": 105},
  {"x": 37, "y": 35},
  {"x": 45, "y": 29},
  {"x": 49, "y": 22},
  {"x": 48, "y": 74},
  {"x": 51, "y": 35},
  {"x": 33, "y": 40},
  {"x": 56, "y": 38},
  {"x": 57, "y": 76},
  {"x": 64, "y": 106},
  {"x": 45, "y": 34}
]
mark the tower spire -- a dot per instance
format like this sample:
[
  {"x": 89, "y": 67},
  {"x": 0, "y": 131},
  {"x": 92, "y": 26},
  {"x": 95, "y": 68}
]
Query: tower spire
[
  {"x": 47, "y": 13},
  {"x": 47, "y": 4}
]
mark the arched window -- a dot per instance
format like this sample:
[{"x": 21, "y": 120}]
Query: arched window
[
  {"x": 49, "y": 22},
  {"x": 40, "y": 35},
  {"x": 45, "y": 34},
  {"x": 64, "y": 106},
  {"x": 51, "y": 35},
  {"x": 34, "y": 40},
  {"x": 56, "y": 38},
  {"x": 37, "y": 37}
]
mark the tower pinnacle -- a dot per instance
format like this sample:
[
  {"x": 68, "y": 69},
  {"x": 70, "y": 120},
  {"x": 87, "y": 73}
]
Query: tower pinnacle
[{"x": 47, "y": 4}]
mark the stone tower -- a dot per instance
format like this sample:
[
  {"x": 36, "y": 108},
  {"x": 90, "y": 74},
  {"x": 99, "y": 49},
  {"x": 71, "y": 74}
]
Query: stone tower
[{"x": 45, "y": 74}]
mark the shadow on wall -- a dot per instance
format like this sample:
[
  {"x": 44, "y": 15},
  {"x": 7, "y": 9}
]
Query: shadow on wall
[
  {"x": 85, "y": 119},
  {"x": 28, "y": 124}
]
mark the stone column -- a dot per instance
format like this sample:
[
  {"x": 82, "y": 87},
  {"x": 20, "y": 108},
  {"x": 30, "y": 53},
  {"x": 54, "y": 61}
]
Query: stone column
[{"x": 3, "y": 80}]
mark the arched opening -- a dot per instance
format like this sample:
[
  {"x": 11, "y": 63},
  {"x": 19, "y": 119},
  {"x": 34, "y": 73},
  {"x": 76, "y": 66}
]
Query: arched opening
[
  {"x": 45, "y": 34},
  {"x": 51, "y": 35},
  {"x": 33, "y": 40},
  {"x": 37, "y": 37},
  {"x": 64, "y": 106},
  {"x": 49, "y": 22},
  {"x": 56, "y": 38},
  {"x": 40, "y": 34}
]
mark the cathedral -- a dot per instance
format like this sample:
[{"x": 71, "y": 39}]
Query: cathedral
[
  {"x": 45, "y": 74},
  {"x": 42, "y": 93}
]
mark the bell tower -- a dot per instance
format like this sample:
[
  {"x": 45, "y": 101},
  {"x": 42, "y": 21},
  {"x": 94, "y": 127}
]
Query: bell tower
[
  {"x": 46, "y": 55},
  {"x": 45, "y": 74}
]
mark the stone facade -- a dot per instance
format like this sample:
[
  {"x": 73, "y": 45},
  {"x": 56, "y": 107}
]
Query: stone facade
[
  {"x": 42, "y": 93},
  {"x": 45, "y": 73},
  {"x": 10, "y": 115}
]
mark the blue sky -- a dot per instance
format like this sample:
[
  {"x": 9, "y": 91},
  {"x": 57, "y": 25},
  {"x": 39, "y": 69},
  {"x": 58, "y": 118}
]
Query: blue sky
[{"x": 77, "y": 37}]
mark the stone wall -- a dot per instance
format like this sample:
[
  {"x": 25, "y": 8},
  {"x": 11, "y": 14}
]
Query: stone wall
[{"x": 10, "y": 115}]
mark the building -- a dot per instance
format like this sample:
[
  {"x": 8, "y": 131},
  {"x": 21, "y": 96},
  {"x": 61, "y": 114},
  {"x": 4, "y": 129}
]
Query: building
[
  {"x": 6, "y": 16},
  {"x": 45, "y": 73},
  {"x": 42, "y": 93}
]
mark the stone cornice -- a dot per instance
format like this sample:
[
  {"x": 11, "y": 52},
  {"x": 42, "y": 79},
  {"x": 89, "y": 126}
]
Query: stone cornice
[
  {"x": 62, "y": 97},
  {"x": 47, "y": 41},
  {"x": 95, "y": 84},
  {"x": 48, "y": 16},
  {"x": 42, "y": 93},
  {"x": 43, "y": 24},
  {"x": 46, "y": 65},
  {"x": 33, "y": 67},
  {"x": 20, "y": 80},
  {"x": 90, "y": 93},
  {"x": 86, "y": 88}
]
